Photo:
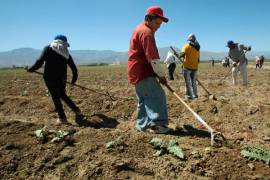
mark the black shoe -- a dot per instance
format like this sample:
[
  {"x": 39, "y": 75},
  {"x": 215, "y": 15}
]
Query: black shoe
[{"x": 160, "y": 129}]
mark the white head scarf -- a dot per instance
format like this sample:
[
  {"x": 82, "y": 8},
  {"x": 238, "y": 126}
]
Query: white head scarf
[{"x": 60, "y": 47}]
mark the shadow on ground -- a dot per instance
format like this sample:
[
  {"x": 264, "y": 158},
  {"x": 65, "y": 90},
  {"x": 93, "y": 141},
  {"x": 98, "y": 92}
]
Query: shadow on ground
[
  {"x": 96, "y": 121},
  {"x": 189, "y": 130}
]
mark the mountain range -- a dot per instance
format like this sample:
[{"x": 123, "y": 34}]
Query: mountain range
[{"x": 27, "y": 56}]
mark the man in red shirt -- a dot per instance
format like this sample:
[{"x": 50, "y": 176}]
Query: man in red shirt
[{"x": 143, "y": 71}]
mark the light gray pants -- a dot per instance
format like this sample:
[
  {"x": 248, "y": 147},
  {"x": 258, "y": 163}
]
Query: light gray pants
[
  {"x": 242, "y": 68},
  {"x": 190, "y": 83}
]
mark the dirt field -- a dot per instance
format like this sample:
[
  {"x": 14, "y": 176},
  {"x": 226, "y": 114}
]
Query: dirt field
[{"x": 242, "y": 116}]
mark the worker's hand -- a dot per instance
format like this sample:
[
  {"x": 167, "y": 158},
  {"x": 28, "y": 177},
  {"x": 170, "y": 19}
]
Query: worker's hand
[
  {"x": 162, "y": 80},
  {"x": 28, "y": 70},
  {"x": 234, "y": 64},
  {"x": 249, "y": 48}
]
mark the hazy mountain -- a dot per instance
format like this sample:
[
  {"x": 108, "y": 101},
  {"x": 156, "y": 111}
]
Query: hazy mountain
[
  {"x": 27, "y": 56},
  {"x": 18, "y": 57}
]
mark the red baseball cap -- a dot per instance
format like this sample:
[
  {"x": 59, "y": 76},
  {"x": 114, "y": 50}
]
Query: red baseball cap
[{"x": 156, "y": 10}]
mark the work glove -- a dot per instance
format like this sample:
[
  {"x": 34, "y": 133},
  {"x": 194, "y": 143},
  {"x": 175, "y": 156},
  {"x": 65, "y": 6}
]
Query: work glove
[
  {"x": 162, "y": 80},
  {"x": 234, "y": 64},
  {"x": 249, "y": 48},
  {"x": 28, "y": 69}
]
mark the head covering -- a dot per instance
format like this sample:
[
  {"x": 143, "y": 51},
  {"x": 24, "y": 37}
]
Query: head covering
[
  {"x": 61, "y": 37},
  {"x": 156, "y": 10},
  {"x": 193, "y": 41},
  {"x": 192, "y": 37},
  {"x": 229, "y": 43},
  {"x": 60, "y": 45}
]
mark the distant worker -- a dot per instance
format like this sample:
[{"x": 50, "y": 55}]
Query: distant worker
[
  {"x": 144, "y": 69},
  {"x": 171, "y": 64},
  {"x": 225, "y": 62},
  {"x": 261, "y": 61},
  {"x": 257, "y": 59},
  {"x": 56, "y": 57},
  {"x": 213, "y": 62},
  {"x": 237, "y": 55},
  {"x": 191, "y": 53}
]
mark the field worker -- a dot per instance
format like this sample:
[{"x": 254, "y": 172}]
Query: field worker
[
  {"x": 237, "y": 55},
  {"x": 261, "y": 61},
  {"x": 257, "y": 59},
  {"x": 144, "y": 69},
  {"x": 56, "y": 57},
  {"x": 171, "y": 64},
  {"x": 213, "y": 62},
  {"x": 225, "y": 62},
  {"x": 191, "y": 53}
]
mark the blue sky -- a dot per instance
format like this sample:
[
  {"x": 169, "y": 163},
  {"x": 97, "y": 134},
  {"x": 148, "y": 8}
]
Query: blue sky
[{"x": 107, "y": 25}]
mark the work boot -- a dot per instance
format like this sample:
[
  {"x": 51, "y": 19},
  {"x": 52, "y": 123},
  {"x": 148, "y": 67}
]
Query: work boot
[
  {"x": 160, "y": 129},
  {"x": 188, "y": 98},
  {"x": 78, "y": 112},
  {"x": 60, "y": 121},
  {"x": 80, "y": 119}
]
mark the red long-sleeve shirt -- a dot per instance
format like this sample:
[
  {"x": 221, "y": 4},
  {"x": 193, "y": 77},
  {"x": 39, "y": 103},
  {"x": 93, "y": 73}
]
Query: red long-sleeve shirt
[{"x": 142, "y": 50}]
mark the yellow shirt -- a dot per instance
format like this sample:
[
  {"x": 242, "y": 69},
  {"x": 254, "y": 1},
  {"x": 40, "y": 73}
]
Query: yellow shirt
[{"x": 192, "y": 56}]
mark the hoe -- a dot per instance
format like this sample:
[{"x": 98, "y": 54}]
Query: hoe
[
  {"x": 217, "y": 138},
  {"x": 82, "y": 87}
]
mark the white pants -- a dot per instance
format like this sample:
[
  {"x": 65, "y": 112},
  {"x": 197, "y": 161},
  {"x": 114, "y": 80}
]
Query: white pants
[{"x": 242, "y": 68}]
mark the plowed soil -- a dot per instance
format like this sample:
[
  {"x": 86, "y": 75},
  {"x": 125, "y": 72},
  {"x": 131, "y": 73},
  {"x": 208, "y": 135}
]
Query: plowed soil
[{"x": 241, "y": 114}]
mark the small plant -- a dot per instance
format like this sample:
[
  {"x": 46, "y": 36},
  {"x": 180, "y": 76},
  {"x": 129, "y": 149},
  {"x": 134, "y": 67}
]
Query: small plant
[
  {"x": 58, "y": 136},
  {"x": 118, "y": 142},
  {"x": 42, "y": 134},
  {"x": 171, "y": 147},
  {"x": 256, "y": 154}
]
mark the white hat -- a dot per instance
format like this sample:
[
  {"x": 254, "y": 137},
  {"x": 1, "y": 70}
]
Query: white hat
[{"x": 191, "y": 37}]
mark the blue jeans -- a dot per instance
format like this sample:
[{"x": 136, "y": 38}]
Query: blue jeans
[
  {"x": 152, "y": 106},
  {"x": 190, "y": 83}
]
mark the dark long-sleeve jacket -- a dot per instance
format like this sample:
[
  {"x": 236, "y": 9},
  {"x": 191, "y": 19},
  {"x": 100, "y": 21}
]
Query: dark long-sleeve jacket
[{"x": 55, "y": 66}]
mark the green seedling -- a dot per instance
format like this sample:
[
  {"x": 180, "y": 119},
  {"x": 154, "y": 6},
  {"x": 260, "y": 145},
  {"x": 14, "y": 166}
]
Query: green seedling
[
  {"x": 163, "y": 147},
  {"x": 256, "y": 154}
]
